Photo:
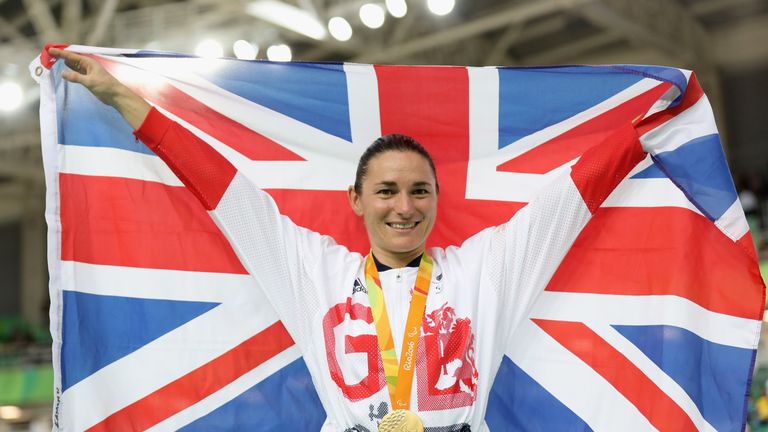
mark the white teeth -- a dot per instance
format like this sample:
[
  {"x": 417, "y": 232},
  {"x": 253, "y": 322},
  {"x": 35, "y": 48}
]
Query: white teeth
[{"x": 403, "y": 226}]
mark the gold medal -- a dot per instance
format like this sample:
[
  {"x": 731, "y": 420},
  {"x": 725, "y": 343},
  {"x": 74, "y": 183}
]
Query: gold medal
[{"x": 401, "y": 421}]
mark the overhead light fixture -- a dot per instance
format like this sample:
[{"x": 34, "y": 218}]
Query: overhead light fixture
[
  {"x": 289, "y": 17},
  {"x": 441, "y": 7},
  {"x": 372, "y": 15},
  {"x": 281, "y": 52},
  {"x": 397, "y": 8},
  {"x": 244, "y": 50},
  {"x": 340, "y": 28},
  {"x": 209, "y": 48},
  {"x": 11, "y": 96},
  {"x": 10, "y": 412}
]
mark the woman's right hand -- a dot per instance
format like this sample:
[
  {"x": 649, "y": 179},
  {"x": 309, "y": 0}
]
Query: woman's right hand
[{"x": 88, "y": 72}]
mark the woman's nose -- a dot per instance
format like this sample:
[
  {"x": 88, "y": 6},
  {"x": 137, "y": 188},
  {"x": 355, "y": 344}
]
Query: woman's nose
[{"x": 404, "y": 204}]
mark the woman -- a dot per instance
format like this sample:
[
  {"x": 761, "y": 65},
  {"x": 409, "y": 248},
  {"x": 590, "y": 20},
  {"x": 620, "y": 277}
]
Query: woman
[{"x": 456, "y": 308}]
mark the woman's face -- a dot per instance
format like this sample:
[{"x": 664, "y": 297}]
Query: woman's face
[{"x": 398, "y": 203}]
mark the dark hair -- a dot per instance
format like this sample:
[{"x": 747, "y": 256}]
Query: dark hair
[{"x": 391, "y": 142}]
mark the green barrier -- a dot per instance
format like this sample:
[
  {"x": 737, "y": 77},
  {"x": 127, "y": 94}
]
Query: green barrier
[
  {"x": 764, "y": 273},
  {"x": 754, "y": 227},
  {"x": 13, "y": 328},
  {"x": 26, "y": 385}
]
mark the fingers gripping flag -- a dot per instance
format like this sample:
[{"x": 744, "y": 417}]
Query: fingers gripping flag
[{"x": 650, "y": 322}]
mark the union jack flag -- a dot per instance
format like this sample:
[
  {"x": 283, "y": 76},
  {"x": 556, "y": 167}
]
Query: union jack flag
[{"x": 650, "y": 323}]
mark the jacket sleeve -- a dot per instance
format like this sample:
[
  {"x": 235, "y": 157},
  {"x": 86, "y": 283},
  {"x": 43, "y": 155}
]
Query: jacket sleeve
[
  {"x": 522, "y": 255},
  {"x": 279, "y": 254}
]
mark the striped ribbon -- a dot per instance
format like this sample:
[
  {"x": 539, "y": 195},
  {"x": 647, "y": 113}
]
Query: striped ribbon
[{"x": 399, "y": 376}]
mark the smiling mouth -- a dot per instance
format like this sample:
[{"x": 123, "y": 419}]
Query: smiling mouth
[{"x": 408, "y": 225}]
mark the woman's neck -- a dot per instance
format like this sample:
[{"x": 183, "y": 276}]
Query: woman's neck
[{"x": 396, "y": 259}]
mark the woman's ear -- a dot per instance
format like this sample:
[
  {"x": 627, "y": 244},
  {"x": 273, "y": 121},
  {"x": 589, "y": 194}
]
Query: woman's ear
[{"x": 354, "y": 201}]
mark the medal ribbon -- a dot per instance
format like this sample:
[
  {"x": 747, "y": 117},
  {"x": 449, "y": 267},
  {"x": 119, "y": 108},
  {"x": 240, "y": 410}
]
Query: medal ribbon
[{"x": 399, "y": 378}]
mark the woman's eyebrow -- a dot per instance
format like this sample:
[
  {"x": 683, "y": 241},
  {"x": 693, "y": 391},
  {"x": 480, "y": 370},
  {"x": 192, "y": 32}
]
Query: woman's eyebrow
[{"x": 391, "y": 183}]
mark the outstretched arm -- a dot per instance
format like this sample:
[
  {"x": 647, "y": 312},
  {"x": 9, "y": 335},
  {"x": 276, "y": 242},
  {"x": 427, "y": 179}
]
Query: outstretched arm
[
  {"x": 105, "y": 87},
  {"x": 542, "y": 233},
  {"x": 524, "y": 253},
  {"x": 203, "y": 171},
  {"x": 273, "y": 249}
]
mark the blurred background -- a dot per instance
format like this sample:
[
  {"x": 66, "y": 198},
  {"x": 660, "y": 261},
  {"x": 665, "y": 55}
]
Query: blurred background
[{"x": 724, "y": 41}]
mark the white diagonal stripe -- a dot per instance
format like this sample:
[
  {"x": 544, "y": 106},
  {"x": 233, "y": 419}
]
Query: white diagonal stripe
[
  {"x": 158, "y": 284},
  {"x": 652, "y": 371},
  {"x": 113, "y": 162},
  {"x": 733, "y": 222},
  {"x": 595, "y": 309},
  {"x": 566, "y": 377},
  {"x": 535, "y": 139},
  {"x": 648, "y": 192},
  {"x": 161, "y": 361},
  {"x": 229, "y": 392},
  {"x": 666, "y": 100},
  {"x": 695, "y": 122},
  {"x": 483, "y": 179},
  {"x": 329, "y": 160}
]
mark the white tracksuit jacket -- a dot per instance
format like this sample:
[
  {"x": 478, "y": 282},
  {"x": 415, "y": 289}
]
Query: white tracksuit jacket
[{"x": 479, "y": 293}]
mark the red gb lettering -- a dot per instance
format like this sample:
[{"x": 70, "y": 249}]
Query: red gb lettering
[
  {"x": 448, "y": 376},
  {"x": 373, "y": 382}
]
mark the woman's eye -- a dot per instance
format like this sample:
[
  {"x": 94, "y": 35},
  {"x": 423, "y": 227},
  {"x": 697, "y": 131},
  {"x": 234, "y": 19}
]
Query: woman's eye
[
  {"x": 420, "y": 192},
  {"x": 385, "y": 192}
]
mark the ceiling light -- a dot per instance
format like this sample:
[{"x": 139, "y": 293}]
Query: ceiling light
[
  {"x": 10, "y": 412},
  {"x": 441, "y": 7},
  {"x": 340, "y": 28},
  {"x": 11, "y": 96},
  {"x": 288, "y": 16},
  {"x": 372, "y": 15},
  {"x": 209, "y": 48},
  {"x": 244, "y": 50},
  {"x": 397, "y": 8},
  {"x": 279, "y": 52}
]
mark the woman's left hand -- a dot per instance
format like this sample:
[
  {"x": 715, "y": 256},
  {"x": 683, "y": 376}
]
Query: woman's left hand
[{"x": 92, "y": 75}]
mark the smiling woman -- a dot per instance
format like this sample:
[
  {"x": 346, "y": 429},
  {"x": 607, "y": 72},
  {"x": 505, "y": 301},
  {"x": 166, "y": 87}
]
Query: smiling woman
[
  {"x": 395, "y": 192},
  {"x": 403, "y": 338}
]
